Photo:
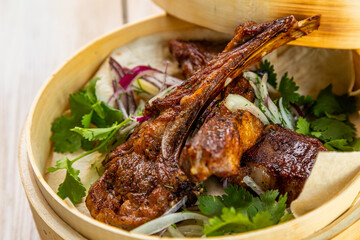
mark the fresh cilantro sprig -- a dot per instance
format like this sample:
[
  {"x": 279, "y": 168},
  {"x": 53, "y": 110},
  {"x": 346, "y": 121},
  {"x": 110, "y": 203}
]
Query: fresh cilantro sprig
[
  {"x": 327, "y": 103},
  {"x": 335, "y": 134},
  {"x": 330, "y": 121},
  {"x": 239, "y": 211},
  {"x": 327, "y": 117},
  {"x": 72, "y": 186},
  {"x": 287, "y": 86},
  {"x": 92, "y": 125},
  {"x": 85, "y": 110}
]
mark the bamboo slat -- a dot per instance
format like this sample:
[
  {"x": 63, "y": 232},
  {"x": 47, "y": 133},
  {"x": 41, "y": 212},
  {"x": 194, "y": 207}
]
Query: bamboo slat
[{"x": 340, "y": 21}]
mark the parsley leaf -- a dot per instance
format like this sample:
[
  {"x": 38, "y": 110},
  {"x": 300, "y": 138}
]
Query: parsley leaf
[
  {"x": 86, "y": 119},
  {"x": 329, "y": 103},
  {"x": 239, "y": 211},
  {"x": 338, "y": 145},
  {"x": 303, "y": 126},
  {"x": 85, "y": 109},
  {"x": 80, "y": 105},
  {"x": 327, "y": 129},
  {"x": 210, "y": 205},
  {"x": 266, "y": 66},
  {"x": 237, "y": 197},
  {"x": 288, "y": 88},
  {"x": 72, "y": 187},
  {"x": 356, "y": 144},
  {"x": 65, "y": 140},
  {"x": 305, "y": 100},
  {"x": 93, "y": 134},
  {"x": 326, "y": 103},
  {"x": 229, "y": 222}
]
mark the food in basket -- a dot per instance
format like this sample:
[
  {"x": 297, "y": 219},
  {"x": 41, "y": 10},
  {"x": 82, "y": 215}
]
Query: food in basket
[{"x": 220, "y": 113}]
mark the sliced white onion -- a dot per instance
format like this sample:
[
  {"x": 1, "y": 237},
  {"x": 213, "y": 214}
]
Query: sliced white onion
[
  {"x": 252, "y": 184},
  {"x": 174, "y": 232},
  {"x": 177, "y": 206},
  {"x": 286, "y": 116},
  {"x": 235, "y": 102},
  {"x": 160, "y": 223},
  {"x": 191, "y": 230},
  {"x": 170, "y": 80},
  {"x": 256, "y": 90},
  {"x": 251, "y": 76},
  {"x": 263, "y": 88},
  {"x": 267, "y": 112},
  {"x": 274, "y": 110}
]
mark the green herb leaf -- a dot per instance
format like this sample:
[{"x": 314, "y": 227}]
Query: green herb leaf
[
  {"x": 80, "y": 105},
  {"x": 338, "y": 145},
  {"x": 356, "y": 144},
  {"x": 93, "y": 134},
  {"x": 288, "y": 89},
  {"x": 340, "y": 117},
  {"x": 232, "y": 221},
  {"x": 239, "y": 211},
  {"x": 328, "y": 102},
  {"x": 210, "y": 204},
  {"x": 305, "y": 100},
  {"x": 237, "y": 197},
  {"x": 112, "y": 115},
  {"x": 65, "y": 140},
  {"x": 85, "y": 109},
  {"x": 86, "y": 119},
  {"x": 327, "y": 129},
  {"x": 266, "y": 66},
  {"x": 303, "y": 126},
  {"x": 72, "y": 186}
]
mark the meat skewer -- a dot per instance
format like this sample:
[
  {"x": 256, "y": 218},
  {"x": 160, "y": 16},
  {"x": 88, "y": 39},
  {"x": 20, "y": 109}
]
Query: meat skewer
[{"x": 142, "y": 178}]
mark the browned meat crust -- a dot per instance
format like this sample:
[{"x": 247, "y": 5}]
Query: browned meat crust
[
  {"x": 219, "y": 144},
  {"x": 192, "y": 55},
  {"x": 142, "y": 177},
  {"x": 139, "y": 184},
  {"x": 282, "y": 159}
]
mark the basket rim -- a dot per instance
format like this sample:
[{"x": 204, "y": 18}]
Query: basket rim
[{"x": 92, "y": 222}]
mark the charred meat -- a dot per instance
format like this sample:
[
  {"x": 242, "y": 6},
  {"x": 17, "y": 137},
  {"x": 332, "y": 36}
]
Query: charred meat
[
  {"x": 192, "y": 55},
  {"x": 142, "y": 178},
  {"x": 282, "y": 159},
  {"x": 217, "y": 147}
]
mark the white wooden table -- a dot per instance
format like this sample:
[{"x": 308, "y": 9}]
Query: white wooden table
[{"x": 36, "y": 38}]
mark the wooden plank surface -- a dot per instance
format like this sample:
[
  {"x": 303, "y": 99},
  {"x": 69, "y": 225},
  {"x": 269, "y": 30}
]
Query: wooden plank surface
[{"x": 37, "y": 37}]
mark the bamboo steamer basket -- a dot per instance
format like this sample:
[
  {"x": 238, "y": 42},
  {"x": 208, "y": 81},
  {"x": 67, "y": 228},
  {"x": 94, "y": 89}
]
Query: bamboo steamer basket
[
  {"x": 51, "y": 102},
  {"x": 51, "y": 227},
  {"x": 339, "y": 28}
]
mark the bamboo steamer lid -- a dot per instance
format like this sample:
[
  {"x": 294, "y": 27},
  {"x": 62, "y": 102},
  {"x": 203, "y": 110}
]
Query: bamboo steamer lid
[{"x": 339, "y": 28}]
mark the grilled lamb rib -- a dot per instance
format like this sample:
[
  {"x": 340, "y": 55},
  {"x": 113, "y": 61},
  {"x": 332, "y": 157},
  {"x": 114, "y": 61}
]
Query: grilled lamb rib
[
  {"x": 217, "y": 147},
  {"x": 142, "y": 178},
  {"x": 280, "y": 161}
]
